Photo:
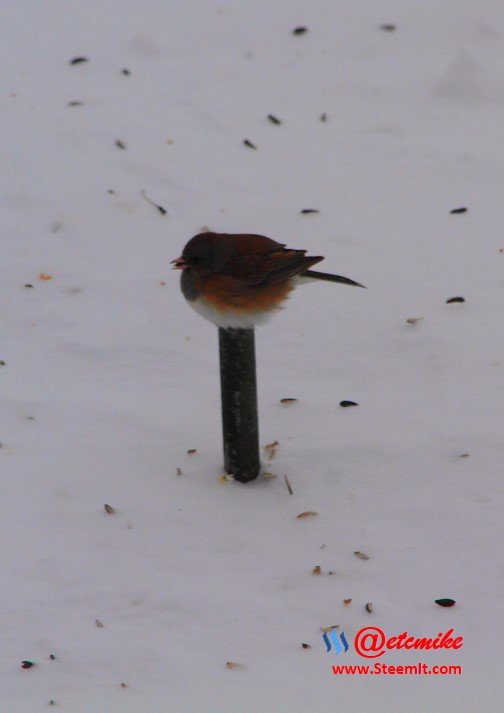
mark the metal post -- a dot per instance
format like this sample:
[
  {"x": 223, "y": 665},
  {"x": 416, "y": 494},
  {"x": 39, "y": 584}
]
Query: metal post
[{"x": 240, "y": 425}]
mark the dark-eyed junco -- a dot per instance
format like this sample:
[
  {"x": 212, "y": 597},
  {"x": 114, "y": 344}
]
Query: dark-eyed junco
[{"x": 240, "y": 280}]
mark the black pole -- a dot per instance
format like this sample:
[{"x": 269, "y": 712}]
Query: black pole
[{"x": 240, "y": 425}]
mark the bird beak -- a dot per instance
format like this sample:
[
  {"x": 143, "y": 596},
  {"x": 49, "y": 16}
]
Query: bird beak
[{"x": 179, "y": 264}]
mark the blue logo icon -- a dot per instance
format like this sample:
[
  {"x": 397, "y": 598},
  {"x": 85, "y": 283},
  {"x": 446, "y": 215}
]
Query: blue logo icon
[{"x": 335, "y": 641}]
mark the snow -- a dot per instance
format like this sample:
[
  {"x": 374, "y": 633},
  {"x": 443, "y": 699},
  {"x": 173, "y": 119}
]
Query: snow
[{"x": 109, "y": 379}]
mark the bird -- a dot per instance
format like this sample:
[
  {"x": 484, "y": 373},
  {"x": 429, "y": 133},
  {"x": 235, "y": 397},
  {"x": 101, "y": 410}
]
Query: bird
[{"x": 237, "y": 281}]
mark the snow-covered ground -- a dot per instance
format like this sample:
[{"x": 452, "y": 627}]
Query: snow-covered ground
[{"x": 109, "y": 379}]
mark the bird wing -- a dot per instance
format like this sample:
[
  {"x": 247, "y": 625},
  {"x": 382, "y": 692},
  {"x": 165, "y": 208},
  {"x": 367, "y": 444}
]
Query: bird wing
[
  {"x": 281, "y": 265},
  {"x": 266, "y": 262}
]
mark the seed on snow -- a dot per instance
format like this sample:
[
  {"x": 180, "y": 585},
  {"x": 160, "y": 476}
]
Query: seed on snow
[
  {"x": 327, "y": 629},
  {"x": 225, "y": 478},
  {"x": 234, "y": 665},
  {"x": 445, "y": 602},
  {"x": 271, "y": 449}
]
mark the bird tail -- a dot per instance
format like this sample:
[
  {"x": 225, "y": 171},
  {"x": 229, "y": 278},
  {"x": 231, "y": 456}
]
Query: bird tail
[{"x": 330, "y": 278}]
